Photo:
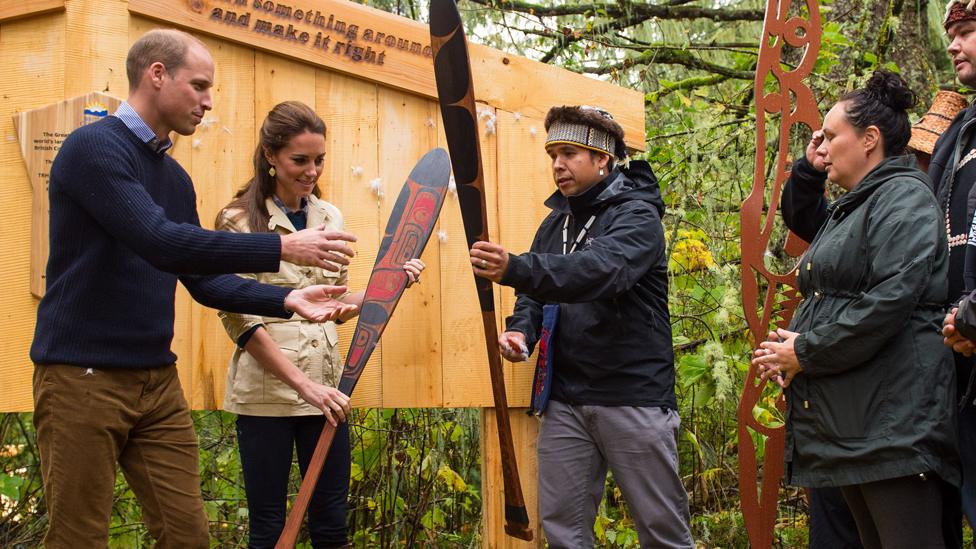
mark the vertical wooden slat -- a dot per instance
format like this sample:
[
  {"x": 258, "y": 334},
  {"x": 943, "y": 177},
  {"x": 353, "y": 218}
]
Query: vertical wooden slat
[
  {"x": 525, "y": 430},
  {"x": 349, "y": 108},
  {"x": 466, "y": 381},
  {"x": 278, "y": 79},
  {"x": 411, "y": 342},
  {"x": 33, "y": 75},
  {"x": 219, "y": 161},
  {"x": 99, "y": 39},
  {"x": 525, "y": 181}
]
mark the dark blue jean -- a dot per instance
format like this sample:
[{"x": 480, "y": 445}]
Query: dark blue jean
[{"x": 265, "y": 445}]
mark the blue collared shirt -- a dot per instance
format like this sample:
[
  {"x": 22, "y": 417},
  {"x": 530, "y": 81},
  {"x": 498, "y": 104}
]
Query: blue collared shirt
[
  {"x": 299, "y": 217},
  {"x": 138, "y": 126}
]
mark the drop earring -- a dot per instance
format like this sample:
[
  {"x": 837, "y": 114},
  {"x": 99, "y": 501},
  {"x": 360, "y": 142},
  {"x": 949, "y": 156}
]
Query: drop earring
[
  {"x": 271, "y": 171},
  {"x": 601, "y": 172}
]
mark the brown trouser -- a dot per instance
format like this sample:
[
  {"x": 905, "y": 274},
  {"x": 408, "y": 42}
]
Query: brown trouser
[{"x": 88, "y": 420}]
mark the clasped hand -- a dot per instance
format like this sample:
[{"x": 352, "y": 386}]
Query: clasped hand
[
  {"x": 776, "y": 358},
  {"x": 953, "y": 339}
]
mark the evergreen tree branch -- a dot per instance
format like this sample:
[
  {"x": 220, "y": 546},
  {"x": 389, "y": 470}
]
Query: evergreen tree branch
[
  {"x": 687, "y": 84},
  {"x": 619, "y": 10},
  {"x": 671, "y": 57}
]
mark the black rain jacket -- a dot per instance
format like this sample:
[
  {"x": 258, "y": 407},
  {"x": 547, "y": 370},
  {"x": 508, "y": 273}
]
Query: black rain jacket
[{"x": 612, "y": 346}]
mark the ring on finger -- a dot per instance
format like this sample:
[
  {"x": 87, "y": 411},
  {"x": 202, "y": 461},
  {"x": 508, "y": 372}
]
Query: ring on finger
[{"x": 484, "y": 264}]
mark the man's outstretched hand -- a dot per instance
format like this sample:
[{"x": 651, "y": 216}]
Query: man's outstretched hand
[
  {"x": 317, "y": 247},
  {"x": 318, "y": 303}
]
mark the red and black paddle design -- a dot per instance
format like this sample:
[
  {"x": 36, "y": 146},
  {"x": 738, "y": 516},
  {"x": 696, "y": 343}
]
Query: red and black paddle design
[
  {"x": 455, "y": 91},
  {"x": 407, "y": 232}
]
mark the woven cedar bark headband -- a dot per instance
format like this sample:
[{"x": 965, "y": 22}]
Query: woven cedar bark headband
[
  {"x": 583, "y": 135},
  {"x": 959, "y": 10}
]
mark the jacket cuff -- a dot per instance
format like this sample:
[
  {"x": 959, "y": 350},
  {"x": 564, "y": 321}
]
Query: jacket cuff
[
  {"x": 236, "y": 325},
  {"x": 246, "y": 336},
  {"x": 802, "y": 351},
  {"x": 516, "y": 273},
  {"x": 803, "y": 171},
  {"x": 966, "y": 319}
]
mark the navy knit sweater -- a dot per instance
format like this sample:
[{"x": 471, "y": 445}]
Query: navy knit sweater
[{"x": 123, "y": 228}]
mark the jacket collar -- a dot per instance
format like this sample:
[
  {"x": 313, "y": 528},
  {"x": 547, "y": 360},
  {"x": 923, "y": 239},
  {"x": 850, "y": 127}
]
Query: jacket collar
[
  {"x": 887, "y": 169},
  {"x": 633, "y": 182},
  {"x": 316, "y": 212}
]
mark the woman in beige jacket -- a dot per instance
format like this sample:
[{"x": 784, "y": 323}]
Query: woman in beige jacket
[{"x": 283, "y": 376}]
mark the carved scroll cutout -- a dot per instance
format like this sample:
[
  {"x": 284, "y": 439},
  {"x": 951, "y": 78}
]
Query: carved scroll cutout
[{"x": 769, "y": 298}]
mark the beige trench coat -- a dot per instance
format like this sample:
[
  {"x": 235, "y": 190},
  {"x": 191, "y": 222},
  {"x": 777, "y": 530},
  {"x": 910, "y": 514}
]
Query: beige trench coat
[{"x": 313, "y": 347}]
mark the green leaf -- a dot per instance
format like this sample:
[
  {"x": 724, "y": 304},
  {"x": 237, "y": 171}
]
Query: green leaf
[
  {"x": 691, "y": 368},
  {"x": 10, "y": 486}
]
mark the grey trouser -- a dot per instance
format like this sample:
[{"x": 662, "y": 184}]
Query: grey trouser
[{"x": 577, "y": 443}]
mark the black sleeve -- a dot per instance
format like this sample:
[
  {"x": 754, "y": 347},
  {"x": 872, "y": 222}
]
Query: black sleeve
[
  {"x": 969, "y": 273},
  {"x": 610, "y": 264},
  {"x": 526, "y": 317},
  {"x": 234, "y": 294},
  {"x": 803, "y": 204},
  {"x": 966, "y": 315}
]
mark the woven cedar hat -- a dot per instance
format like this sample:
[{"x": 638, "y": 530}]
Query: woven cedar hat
[
  {"x": 927, "y": 130},
  {"x": 959, "y": 10}
]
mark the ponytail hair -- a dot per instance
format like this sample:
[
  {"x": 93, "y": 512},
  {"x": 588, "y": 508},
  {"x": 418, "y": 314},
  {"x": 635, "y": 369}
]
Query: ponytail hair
[
  {"x": 285, "y": 121},
  {"x": 883, "y": 102}
]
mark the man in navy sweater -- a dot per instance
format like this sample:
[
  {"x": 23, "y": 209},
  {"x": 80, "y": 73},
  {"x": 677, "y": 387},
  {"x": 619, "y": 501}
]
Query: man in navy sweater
[{"x": 123, "y": 230}]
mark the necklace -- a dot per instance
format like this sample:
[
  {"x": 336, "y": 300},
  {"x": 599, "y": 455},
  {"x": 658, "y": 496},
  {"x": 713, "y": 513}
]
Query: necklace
[
  {"x": 579, "y": 237},
  {"x": 962, "y": 238}
]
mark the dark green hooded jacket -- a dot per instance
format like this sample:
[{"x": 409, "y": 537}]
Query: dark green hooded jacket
[{"x": 874, "y": 399}]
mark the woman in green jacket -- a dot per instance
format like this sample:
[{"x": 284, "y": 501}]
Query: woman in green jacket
[{"x": 867, "y": 379}]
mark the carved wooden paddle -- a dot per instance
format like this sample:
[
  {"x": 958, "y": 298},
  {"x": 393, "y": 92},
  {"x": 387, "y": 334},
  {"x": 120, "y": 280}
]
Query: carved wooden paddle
[
  {"x": 455, "y": 93},
  {"x": 407, "y": 232}
]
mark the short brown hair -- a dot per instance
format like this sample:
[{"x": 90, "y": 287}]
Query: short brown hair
[{"x": 166, "y": 46}]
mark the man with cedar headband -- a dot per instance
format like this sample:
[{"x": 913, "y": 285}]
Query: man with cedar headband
[
  {"x": 123, "y": 230},
  {"x": 593, "y": 292},
  {"x": 953, "y": 173}
]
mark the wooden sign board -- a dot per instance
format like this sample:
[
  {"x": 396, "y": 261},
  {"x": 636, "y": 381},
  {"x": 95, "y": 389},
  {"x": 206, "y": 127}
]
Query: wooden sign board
[
  {"x": 392, "y": 51},
  {"x": 16, "y": 9},
  {"x": 40, "y": 133}
]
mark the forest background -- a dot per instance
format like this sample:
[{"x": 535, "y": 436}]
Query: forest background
[{"x": 416, "y": 478}]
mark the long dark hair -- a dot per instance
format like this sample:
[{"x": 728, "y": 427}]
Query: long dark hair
[
  {"x": 285, "y": 121},
  {"x": 883, "y": 102}
]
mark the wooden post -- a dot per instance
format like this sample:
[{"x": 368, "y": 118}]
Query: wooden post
[{"x": 525, "y": 429}]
